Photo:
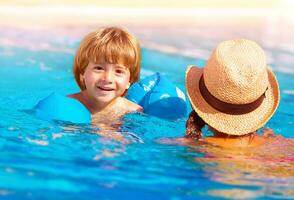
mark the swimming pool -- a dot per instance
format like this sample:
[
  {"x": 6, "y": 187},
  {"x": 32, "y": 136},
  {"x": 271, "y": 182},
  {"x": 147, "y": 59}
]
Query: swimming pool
[{"x": 47, "y": 160}]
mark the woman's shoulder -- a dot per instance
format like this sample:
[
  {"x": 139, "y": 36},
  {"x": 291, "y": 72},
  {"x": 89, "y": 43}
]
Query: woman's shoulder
[
  {"x": 237, "y": 142},
  {"x": 267, "y": 138}
]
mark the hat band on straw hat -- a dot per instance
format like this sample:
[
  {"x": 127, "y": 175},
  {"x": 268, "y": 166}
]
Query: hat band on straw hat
[{"x": 233, "y": 109}]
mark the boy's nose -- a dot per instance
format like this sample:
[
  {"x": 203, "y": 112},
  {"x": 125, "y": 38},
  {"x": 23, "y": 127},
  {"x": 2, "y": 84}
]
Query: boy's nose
[{"x": 108, "y": 76}]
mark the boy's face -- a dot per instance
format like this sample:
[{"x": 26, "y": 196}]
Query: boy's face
[{"x": 104, "y": 82}]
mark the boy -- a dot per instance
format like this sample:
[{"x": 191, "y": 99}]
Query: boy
[{"x": 106, "y": 64}]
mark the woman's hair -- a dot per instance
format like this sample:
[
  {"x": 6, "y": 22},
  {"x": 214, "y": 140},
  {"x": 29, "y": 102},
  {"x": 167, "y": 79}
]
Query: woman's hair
[
  {"x": 194, "y": 125},
  {"x": 112, "y": 45}
]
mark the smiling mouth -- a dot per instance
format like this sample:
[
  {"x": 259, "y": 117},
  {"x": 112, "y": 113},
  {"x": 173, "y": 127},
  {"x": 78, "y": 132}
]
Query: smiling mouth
[{"x": 105, "y": 89}]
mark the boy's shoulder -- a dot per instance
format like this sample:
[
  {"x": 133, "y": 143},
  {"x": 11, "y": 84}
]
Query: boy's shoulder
[
  {"x": 129, "y": 105},
  {"x": 120, "y": 107}
]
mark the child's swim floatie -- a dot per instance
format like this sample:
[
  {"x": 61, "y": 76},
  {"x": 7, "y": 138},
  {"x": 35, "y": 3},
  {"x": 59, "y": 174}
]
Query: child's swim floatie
[
  {"x": 157, "y": 95},
  {"x": 59, "y": 107}
]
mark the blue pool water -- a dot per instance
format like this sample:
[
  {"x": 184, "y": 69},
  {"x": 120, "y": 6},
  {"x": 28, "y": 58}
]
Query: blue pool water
[{"x": 55, "y": 160}]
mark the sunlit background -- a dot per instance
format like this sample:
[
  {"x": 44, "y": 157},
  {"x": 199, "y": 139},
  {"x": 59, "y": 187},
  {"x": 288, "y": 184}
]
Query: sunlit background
[{"x": 171, "y": 26}]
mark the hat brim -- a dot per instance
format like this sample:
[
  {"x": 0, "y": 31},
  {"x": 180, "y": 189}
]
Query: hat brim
[{"x": 228, "y": 123}]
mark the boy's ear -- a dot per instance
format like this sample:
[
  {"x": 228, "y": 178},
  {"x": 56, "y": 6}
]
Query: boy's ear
[
  {"x": 82, "y": 79},
  {"x": 128, "y": 85}
]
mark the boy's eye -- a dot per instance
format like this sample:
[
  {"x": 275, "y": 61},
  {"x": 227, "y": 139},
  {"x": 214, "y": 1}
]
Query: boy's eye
[
  {"x": 120, "y": 71},
  {"x": 98, "y": 68}
]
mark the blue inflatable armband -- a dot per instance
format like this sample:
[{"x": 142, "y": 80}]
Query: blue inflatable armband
[
  {"x": 58, "y": 107},
  {"x": 158, "y": 97}
]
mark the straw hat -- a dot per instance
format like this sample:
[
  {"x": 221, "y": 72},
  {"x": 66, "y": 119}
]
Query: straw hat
[{"x": 236, "y": 93}]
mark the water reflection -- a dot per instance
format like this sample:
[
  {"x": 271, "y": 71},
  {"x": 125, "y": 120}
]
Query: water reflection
[{"x": 265, "y": 171}]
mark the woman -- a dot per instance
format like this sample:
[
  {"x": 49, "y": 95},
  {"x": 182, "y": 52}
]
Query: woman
[{"x": 235, "y": 94}]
